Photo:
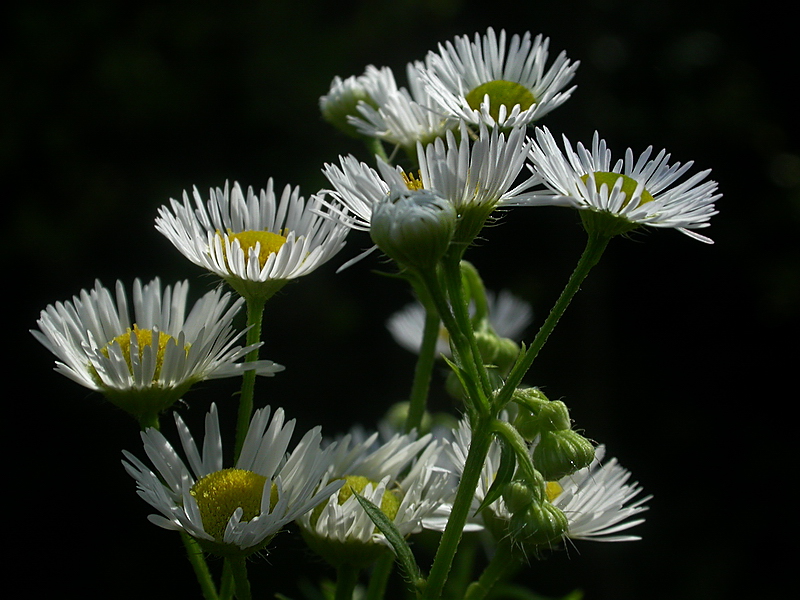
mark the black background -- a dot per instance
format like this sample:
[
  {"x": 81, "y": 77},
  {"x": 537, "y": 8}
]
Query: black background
[{"x": 677, "y": 355}]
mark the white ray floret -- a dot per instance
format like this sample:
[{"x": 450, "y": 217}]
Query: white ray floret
[
  {"x": 599, "y": 501},
  {"x": 405, "y": 466},
  {"x": 291, "y": 488},
  {"x": 459, "y": 73},
  {"x": 404, "y": 116},
  {"x": 654, "y": 196},
  {"x": 90, "y": 333},
  {"x": 206, "y": 232},
  {"x": 478, "y": 173}
]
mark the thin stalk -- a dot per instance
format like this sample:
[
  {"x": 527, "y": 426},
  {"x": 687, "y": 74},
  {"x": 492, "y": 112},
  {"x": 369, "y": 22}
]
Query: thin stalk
[
  {"x": 255, "y": 315},
  {"x": 346, "y": 580},
  {"x": 380, "y": 577},
  {"x": 595, "y": 246},
  {"x": 198, "y": 562},
  {"x": 241, "y": 582},
  {"x": 501, "y": 564},
  {"x": 459, "y": 338},
  {"x": 455, "y": 290},
  {"x": 462, "y": 505},
  {"x": 423, "y": 371}
]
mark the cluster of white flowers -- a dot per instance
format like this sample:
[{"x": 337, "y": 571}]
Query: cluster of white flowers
[{"x": 468, "y": 123}]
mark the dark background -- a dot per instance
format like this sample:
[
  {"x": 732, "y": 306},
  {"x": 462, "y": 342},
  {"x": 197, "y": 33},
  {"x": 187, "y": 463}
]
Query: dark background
[{"x": 678, "y": 356}]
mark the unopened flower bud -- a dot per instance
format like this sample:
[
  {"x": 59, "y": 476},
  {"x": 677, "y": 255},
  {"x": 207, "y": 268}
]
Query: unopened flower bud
[
  {"x": 495, "y": 350},
  {"x": 414, "y": 227},
  {"x": 561, "y": 453},
  {"x": 539, "y": 524},
  {"x": 518, "y": 495}
]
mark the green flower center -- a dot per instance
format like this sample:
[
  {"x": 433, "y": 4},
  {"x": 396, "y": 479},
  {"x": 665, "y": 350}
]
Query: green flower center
[
  {"x": 144, "y": 337},
  {"x": 269, "y": 242},
  {"x": 501, "y": 93},
  {"x": 220, "y": 493},
  {"x": 628, "y": 185}
]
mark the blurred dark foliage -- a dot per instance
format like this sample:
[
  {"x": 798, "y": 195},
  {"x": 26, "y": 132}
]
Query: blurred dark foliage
[{"x": 676, "y": 355}]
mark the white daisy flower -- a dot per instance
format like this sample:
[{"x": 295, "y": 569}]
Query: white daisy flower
[
  {"x": 344, "y": 96},
  {"x": 498, "y": 83},
  {"x": 598, "y": 501},
  {"x": 255, "y": 242},
  {"x": 239, "y": 509},
  {"x": 404, "y": 117},
  {"x": 145, "y": 361},
  {"x": 476, "y": 177},
  {"x": 634, "y": 192},
  {"x": 508, "y": 317},
  {"x": 399, "y": 476}
]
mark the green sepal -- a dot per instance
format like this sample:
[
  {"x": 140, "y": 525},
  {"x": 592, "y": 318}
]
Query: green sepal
[
  {"x": 511, "y": 436},
  {"x": 401, "y": 548},
  {"x": 505, "y": 473}
]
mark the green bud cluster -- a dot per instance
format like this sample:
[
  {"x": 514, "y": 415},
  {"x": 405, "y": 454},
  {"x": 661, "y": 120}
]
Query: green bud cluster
[
  {"x": 495, "y": 350},
  {"x": 534, "y": 520},
  {"x": 559, "y": 450}
]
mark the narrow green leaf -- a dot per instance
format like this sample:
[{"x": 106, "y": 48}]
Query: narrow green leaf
[
  {"x": 401, "y": 548},
  {"x": 505, "y": 473}
]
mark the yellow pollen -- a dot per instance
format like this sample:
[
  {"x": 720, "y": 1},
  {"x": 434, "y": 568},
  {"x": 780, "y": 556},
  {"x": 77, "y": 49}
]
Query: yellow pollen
[
  {"x": 220, "y": 493},
  {"x": 628, "y": 185},
  {"x": 552, "y": 490},
  {"x": 269, "y": 243},
  {"x": 413, "y": 182},
  {"x": 501, "y": 93},
  {"x": 144, "y": 337},
  {"x": 356, "y": 483}
]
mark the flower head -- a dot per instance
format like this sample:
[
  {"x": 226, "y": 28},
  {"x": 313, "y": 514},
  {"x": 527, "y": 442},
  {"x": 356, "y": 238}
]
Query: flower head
[
  {"x": 404, "y": 117},
  {"x": 497, "y": 82},
  {"x": 621, "y": 196},
  {"x": 341, "y": 103},
  {"x": 255, "y": 242},
  {"x": 237, "y": 509},
  {"x": 399, "y": 476},
  {"x": 145, "y": 361},
  {"x": 598, "y": 501},
  {"x": 475, "y": 177}
]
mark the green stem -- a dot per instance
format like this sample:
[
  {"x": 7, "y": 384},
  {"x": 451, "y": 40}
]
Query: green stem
[
  {"x": 346, "y": 580},
  {"x": 375, "y": 146},
  {"x": 198, "y": 562},
  {"x": 255, "y": 315},
  {"x": 226, "y": 589},
  {"x": 424, "y": 369},
  {"x": 462, "y": 505},
  {"x": 595, "y": 246},
  {"x": 501, "y": 564},
  {"x": 241, "y": 582},
  {"x": 460, "y": 340},
  {"x": 380, "y": 576},
  {"x": 460, "y": 306}
]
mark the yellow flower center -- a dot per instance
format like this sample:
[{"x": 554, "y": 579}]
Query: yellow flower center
[
  {"x": 552, "y": 490},
  {"x": 501, "y": 93},
  {"x": 267, "y": 241},
  {"x": 628, "y": 185},
  {"x": 413, "y": 182},
  {"x": 356, "y": 483},
  {"x": 219, "y": 494},
  {"x": 144, "y": 338},
  {"x": 390, "y": 502}
]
